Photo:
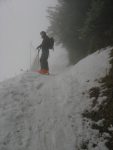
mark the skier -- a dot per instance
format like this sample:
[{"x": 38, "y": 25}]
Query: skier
[{"x": 44, "y": 46}]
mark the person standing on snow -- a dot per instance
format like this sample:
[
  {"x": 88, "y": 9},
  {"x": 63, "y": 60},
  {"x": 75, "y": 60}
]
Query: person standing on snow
[{"x": 44, "y": 46}]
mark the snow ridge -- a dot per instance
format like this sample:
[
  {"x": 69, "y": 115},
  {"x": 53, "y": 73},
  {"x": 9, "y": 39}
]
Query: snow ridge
[{"x": 45, "y": 112}]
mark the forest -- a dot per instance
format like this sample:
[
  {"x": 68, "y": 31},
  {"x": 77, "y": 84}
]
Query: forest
[{"x": 82, "y": 26}]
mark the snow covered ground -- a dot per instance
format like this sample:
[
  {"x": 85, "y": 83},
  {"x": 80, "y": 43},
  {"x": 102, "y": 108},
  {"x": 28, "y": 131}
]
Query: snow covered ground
[{"x": 39, "y": 112}]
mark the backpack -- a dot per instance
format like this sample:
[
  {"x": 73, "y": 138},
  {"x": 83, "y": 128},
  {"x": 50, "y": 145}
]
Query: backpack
[{"x": 51, "y": 43}]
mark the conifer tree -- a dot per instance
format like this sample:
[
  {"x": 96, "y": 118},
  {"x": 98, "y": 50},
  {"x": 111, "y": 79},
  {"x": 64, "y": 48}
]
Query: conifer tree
[{"x": 82, "y": 26}]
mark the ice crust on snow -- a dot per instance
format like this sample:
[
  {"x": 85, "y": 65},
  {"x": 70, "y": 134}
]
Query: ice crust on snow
[{"x": 45, "y": 112}]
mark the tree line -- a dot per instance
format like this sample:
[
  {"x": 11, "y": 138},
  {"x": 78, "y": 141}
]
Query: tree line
[{"x": 82, "y": 26}]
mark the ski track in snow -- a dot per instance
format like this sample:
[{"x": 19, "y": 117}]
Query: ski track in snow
[
  {"x": 44, "y": 112},
  {"x": 20, "y": 113},
  {"x": 26, "y": 124}
]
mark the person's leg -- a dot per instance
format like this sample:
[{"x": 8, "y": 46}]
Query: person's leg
[
  {"x": 41, "y": 61},
  {"x": 46, "y": 67},
  {"x": 44, "y": 62}
]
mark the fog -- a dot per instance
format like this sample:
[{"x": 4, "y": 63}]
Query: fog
[{"x": 20, "y": 24}]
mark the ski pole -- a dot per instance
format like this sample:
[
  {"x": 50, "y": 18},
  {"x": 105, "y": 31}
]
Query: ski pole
[
  {"x": 31, "y": 46},
  {"x": 38, "y": 57},
  {"x": 30, "y": 56}
]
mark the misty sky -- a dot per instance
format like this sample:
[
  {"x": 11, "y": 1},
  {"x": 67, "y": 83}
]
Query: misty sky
[{"x": 20, "y": 24}]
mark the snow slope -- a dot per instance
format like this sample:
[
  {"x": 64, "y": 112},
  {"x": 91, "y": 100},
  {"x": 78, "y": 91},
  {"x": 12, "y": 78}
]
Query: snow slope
[{"x": 45, "y": 112}]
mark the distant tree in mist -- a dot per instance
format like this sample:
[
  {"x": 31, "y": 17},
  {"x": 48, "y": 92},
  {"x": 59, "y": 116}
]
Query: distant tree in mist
[
  {"x": 66, "y": 19},
  {"x": 82, "y": 26}
]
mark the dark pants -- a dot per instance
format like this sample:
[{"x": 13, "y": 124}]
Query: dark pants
[{"x": 44, "y": 60}]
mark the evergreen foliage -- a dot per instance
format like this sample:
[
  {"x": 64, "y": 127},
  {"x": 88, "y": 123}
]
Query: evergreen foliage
[{"x": 82, "y": 26}]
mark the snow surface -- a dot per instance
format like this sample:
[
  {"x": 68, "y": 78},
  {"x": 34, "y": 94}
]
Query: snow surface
[{"x": 39, "y": 112}]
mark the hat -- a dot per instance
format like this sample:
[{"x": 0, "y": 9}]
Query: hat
[{"x": 43, "y": 33}]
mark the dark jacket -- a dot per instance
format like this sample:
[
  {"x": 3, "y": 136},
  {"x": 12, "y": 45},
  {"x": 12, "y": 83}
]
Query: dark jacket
[{"x": 45, "y": 44}]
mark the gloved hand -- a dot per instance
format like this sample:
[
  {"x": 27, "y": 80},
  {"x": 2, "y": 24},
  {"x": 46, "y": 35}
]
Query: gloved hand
[{"x": 39, "y": 47}]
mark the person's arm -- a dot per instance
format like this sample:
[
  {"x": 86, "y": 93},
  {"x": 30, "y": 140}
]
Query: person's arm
[{"x": 40, "y": 46}]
